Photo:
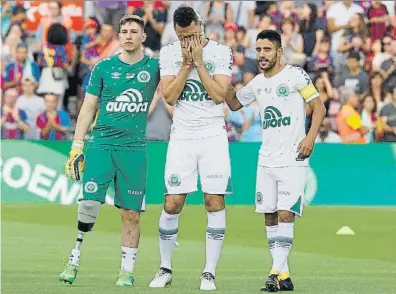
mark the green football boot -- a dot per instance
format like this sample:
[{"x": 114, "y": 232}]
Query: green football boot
[
  {"x": 125, "y": 279},
  {"x": 69, "y": 274}
]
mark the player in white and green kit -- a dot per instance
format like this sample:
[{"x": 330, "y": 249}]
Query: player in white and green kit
[
  {"x": 195, "y": 75},
  {"x": 282, "y": 93},
  {"x": 123, "y": 86}
]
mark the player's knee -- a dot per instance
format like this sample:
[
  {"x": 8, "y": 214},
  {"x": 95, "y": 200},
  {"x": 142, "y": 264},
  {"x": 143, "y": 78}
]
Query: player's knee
[
  {"x": 173, "y": 204},
  {"x": 271, "y": 219},
  {"x": 130, "y": 217},
  {"x": 87, "y": 213},
  {"x": 214, "y": 203},
  {"x": 285, "y": 216}
]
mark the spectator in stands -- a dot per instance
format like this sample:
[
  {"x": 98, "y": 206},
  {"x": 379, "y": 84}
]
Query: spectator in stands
[
  {"x": 13, "y": 120},
  {"x": 378, "y": 17},
  {"x": 12, "y": 39},
  {"x": 110, "y": 12},
  {"x": 5, "y": 16},
  {"x": 310, "y": 29},
  {"x": 356, "y": 38},
  {"x": 155, "y": 20},
  {"x": 23, "y": 67},
  {"x": 53, "y": 124},
  {"x": 160, "y": 118},
  {"x": 293, "y": 44},
  {"x": 54, "y": 16},
  {"x": 350, "y": 127},
  {"x": 54, "y": 63},
  {"x": 377, "y": 91},
  {"x": 19, "y": 17},
  {"x": 32, "y": 104},
  {"x": 238, "y": 50},
  {"x": 355, "y": 78},
  {"x": 388, "y": 119},
  {"x": 321, "y": 61},
  {"x": 384, "y": 54},
  {"x": 217, "y": 14},
  {"x": 250, "y": 69},
  {"x": 243, "y": 13},
  {"x": 338, "y": 16},
  {"x": 368, "y": 116},
  {"x": 326, "y": 135},
  {"x": 388, "y": 69}
]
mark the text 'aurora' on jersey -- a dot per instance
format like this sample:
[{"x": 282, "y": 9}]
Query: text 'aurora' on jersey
[
  {"x": 273, "y": 118},
  {"x": 130, "y": 100},
  {"x": 194, "y": 91}
]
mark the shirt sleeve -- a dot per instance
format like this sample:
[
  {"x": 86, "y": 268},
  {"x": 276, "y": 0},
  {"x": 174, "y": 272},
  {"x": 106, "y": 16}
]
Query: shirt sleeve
[
  {"x": 354, "y": 121},
  {"x": 8, "y": 68},
  {"x": 64, "y": 119},
  {"x": 305, "y": 86},
  {"x": 224, "y": 63},
  {"x": 95, "y": 84},
  {"x": 40, "y": 122},
  {"x": 23, "y": 116},
  {"x": 166, "y": 62},
  {"x": 246, "y": 95}
]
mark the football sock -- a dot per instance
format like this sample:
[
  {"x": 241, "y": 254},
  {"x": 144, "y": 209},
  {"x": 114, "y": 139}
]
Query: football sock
[
  {"x": 128, "y": 257},
  {"x": 168, "y": 229},
  {"x": 284, "y": 242},
  {"x": 284, "y": 274},
  {"x": 271, "y": 238},
  {"x": 214, "y": 239}
]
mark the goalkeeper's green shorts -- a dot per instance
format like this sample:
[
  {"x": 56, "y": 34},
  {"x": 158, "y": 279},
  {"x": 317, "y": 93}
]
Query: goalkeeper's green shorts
[{"x": 128, "y": 170}]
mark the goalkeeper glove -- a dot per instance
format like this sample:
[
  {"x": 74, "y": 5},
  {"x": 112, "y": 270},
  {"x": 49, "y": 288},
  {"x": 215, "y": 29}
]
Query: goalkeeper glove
[{"x": 76, "y": 161}]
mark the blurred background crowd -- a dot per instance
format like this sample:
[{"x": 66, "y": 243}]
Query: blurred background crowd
[{"x": 347, "y": 47}]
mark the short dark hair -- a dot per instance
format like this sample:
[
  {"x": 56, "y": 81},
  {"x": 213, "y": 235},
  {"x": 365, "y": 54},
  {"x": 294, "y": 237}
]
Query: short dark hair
[
  {"x": 57, "y": 34},
  {"x": 354, "y": 55},
  {"x": 272, "y": 36},
  {"x": 184, "y": 16},
  {"x": 18, "y": 9},
  {"x": 131, "y": 18}
]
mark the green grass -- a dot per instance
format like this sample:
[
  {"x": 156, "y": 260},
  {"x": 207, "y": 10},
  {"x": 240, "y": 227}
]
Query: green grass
[{"x": 36, "y": 240}]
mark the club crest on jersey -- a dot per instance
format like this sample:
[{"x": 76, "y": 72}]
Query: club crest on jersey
[
  {"x": 144, "y": 76},
  {"x": 90, "y": 187},
  {"x": 130, "y": 100},
  {"x": 273, "y": 118},
  {"x": 210, "y": 66},
  {"x": 282, "y": 90},
  {"x": 174, "y": 180},
  {"x": 194, "y": 91},
  {"x": 259, "y": 198}
]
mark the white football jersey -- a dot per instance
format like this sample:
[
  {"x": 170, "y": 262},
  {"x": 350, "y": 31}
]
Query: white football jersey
[
  {"x": 281, "y": 100},
  {"x": 195, "y": 114}
]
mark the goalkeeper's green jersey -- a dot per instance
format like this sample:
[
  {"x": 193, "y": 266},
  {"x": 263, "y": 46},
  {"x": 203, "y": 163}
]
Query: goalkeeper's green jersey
[{"x": 125, "y": 93}]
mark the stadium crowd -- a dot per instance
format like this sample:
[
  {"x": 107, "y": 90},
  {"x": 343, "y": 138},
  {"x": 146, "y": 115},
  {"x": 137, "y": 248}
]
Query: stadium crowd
[{"x": 348, "y": 48}]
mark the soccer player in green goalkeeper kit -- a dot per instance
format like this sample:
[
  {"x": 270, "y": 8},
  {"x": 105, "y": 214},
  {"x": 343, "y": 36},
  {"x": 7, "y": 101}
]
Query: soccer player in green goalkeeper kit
[{"x": 123, "y": 86}]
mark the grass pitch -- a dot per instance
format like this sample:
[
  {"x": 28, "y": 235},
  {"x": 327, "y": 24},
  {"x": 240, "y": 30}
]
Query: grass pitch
[{"x": 36, "y": 241}]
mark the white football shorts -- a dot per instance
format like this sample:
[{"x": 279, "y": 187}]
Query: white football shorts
[
  {"x": 207, "y": 156},
  {"x": 280, "y": 188}
]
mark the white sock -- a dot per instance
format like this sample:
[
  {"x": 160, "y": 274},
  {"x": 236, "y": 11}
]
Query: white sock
[
  {"x": 271, "y": 238},
  {"x": 128, "y": 258},
  {"x": 168, "y": 229},
  {"x": 214, "y": 239},
  {"x": 284, "y": 274},
  {"x": 74, "y": 257},
  {"x": 284, "y": 242}
]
